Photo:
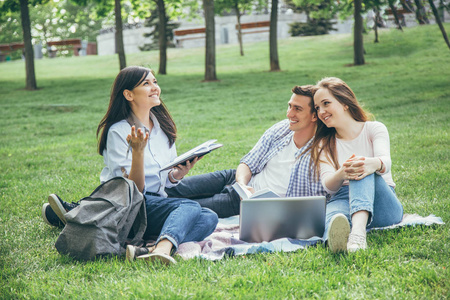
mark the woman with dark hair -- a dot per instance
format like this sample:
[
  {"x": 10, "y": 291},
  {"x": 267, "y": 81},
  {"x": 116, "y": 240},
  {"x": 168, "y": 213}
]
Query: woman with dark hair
[
  {"x": 352, "y": 156},
  {"x": 137, "y": 137}
]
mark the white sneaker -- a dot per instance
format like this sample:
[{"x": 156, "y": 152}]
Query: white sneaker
[
  {"x": 338, "y": 233},
  {"x": 134, "y": 252},
  {"x": 162, "y": 258},
  {"x": 356, "y": 242}
]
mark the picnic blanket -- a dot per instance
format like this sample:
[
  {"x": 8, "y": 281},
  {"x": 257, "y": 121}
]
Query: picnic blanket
[{"x": 224, "y": 241}]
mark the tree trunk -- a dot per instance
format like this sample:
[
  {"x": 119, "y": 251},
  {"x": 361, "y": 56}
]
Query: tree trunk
[
  {"x": 421, "y": 14},
  {"x": 375, "y": 25},
  {"x": 273, "y": 45},
  {"x": 29, "y": 55},
  {"x": 210, "y": 45},
  {"x": 120, "y": 50},
  {"x": 395, "y": 13},
  {"x": 238, "y": 16},
  {"x": 162, "y": 38},
  {"x": 406, "y": 6},
  {"x": 358, "y": 42},
  {"x": 438, "y": 20}
]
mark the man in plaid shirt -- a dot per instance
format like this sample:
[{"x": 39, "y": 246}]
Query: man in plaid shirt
[{"x": 276, "y": 162}]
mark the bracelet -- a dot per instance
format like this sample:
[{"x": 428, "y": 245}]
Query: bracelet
[{"x": 173, "y": 179}]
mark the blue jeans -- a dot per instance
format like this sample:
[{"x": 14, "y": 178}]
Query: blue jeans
[
  {"x": 371, "y": 194},
  {"x": 211, "y": 190},
  {"x": 178, "y": 220}
]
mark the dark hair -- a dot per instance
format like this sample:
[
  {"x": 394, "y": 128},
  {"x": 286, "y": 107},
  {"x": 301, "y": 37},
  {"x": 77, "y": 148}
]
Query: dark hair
[
  {"x": 306, "y": 90},
  {"x": 119, "y": 107},
  {"x": 325, "y": 138}
]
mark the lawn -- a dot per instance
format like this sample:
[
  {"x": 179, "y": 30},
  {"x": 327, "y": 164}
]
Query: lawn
[{"x": 48, "y": 145}]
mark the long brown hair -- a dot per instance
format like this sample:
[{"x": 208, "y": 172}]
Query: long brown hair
[
  {"x": 119, "y": 107},
  {"x": 325, "y": 138}
]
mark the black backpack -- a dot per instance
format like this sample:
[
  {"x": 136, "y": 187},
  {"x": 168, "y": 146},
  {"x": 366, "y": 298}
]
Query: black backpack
[{"x": 104, "y": 223}]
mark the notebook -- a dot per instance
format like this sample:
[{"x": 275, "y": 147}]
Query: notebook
[{"x": 267, "y": 219}]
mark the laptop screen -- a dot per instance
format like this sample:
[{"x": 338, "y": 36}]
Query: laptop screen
[{"x": 273, "y": 218}]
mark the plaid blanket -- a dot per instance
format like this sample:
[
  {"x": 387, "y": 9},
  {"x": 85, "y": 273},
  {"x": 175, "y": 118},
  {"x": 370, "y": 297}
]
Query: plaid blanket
[{"x": 224, "y": 241}]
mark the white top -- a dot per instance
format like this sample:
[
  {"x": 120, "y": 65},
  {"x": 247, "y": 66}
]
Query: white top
[
  {"x": 277, "y": 171},
  {"x": 373, "y": 141},
  {"x": 157, "y": 154}
]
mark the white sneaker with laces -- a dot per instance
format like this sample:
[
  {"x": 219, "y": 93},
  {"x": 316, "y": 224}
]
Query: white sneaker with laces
[{"x": 356, "y": 242}]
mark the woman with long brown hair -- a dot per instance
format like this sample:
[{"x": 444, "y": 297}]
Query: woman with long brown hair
[
  {"x": 138, "y": 120},
  {"x": 352, "y": 156},
  {"x": 136, "y": 138}
]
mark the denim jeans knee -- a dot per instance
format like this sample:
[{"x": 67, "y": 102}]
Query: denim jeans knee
[{"x": 371, "y": 194}]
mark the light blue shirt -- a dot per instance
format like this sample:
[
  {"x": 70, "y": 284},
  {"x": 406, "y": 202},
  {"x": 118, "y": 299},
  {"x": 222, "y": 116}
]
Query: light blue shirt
[{"x": 157, "y": 154}]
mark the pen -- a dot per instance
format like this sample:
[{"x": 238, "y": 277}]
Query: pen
[{"x": 129, "y": 148}]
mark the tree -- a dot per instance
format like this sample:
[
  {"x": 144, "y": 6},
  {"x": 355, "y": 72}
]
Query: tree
[
  {"x": 153, "y": 22},
  {"x": 163, "y": 29},
  {"x": 395, "y": 13},
  {"x": 29, "y": 54},
  {"x": 438, "y": 20},
  {"x": 162, "y": 37},
  {"x": 273, "y": 43},
  {"x": 319, "y": 15},
  {"x": 407, "y": 6},
  {"x": 120, "y": 49},
  {"x": 103, "y": 7},
  {"x": 239, "y": 7},
  {"x": 61, "y": 20},
  {"x": 238, "y": 17},
  {"x": 377, "y": 22},
  {"x": 23, "y": 7},
  {"x": 55, "y": 20},
  {"x": 210, "y": 41},
  {"x": 421, "y": 13},
  {"x": 358, "y": 41}
]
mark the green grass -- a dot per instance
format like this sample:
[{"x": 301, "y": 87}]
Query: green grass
[{"x": 48, "y": 144}]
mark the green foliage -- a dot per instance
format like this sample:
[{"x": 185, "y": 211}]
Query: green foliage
[
  {"x": 14, "y": 5},
  {"x": 222, "y": 7},
  {"x": 60, "y": 20},
  {"x": 318, "y": 17},
  {"x": 10, "y": 28},
  {"x": 11, "y": 31},
  {"x": 316, "y": 9},
  {"x": 313, "y": 27},
  {"x": 48, "y": 145},
  {"x": 51, "y": 21}
]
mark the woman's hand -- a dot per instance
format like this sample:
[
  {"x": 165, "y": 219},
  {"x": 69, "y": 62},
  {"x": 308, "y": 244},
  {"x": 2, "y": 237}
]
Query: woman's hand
[
  {"x": 180, "y": 171},
  {"x": 358, "y": 167},
  {"x": 137, "y": 140}
]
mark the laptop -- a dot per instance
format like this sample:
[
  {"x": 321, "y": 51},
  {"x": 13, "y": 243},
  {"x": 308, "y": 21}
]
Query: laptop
[{"x": 268, "y": 219}]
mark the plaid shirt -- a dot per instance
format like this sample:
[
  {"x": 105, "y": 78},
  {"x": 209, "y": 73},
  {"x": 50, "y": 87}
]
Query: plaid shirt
[{"x": 302, "y": 181}]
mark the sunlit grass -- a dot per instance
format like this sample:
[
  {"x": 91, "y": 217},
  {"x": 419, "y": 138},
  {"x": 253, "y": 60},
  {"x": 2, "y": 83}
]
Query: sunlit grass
[{"x": 48, "y": 145}]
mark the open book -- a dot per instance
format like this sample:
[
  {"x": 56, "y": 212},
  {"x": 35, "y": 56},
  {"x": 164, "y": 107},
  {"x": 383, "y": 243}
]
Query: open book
[
  {"x": 246, "y": 194},
  {"x": 198, "y": 151}
]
